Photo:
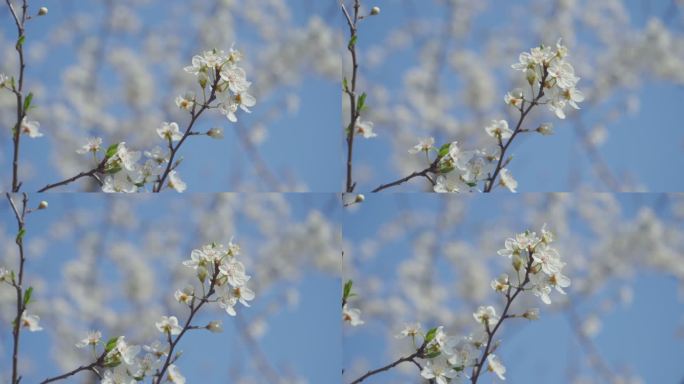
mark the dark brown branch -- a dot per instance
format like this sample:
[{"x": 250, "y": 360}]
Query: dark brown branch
[
  {"x": 419, "y": 353},
  {"x": 352, "y": 22},
  {"x": 92, "y": 173},
  {"x": 90, "y": 367},
  {"x": 195, "y": 114},
  {"x": 19, "y": 215},
  {"x": 424, "y": 173}
]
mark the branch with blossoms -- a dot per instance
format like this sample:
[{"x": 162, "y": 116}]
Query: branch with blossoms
[
  {"x": 22, "y": 318},
  {"x": 224, "y": 87},
  {"x": 16, "y": 85},
  {"x": 537, "y": 270},
  {"x": 223, "y": 282},
  {"x": 356, "y": 102},
  {"x": 552, "y": 81}
]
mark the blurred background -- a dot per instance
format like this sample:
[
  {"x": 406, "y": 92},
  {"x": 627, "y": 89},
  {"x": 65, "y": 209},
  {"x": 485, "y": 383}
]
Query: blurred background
[
  {"x": 114, "y": 263},
  {"x": 114, "y": 68},
  {"x": 441, "y": 68},
  {"x": 431, "y": 258}
]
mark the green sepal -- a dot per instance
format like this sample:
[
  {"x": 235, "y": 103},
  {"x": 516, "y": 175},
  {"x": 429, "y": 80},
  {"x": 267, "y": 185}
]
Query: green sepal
[{"x": 27, "y": 296}]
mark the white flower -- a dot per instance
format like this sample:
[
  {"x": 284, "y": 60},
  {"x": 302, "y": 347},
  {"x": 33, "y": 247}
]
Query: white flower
[
  {"x": 438, "y": 370},
  {"x": 235, "y": 273},
  {"x": 176, "y": 183},
  {"x": 117, "y": 376},
  {"x": 486, "y": 315},
  {"x": 514, "y": 98},
  {"x": 242, "y": 294},
  {"x": 236, "y": 79},
  {"x": 126, "y": 352},
  {"x": 170, "y": 131},
  {"x": 127, "y": 158},
  {"x": 364, "y": 128},
  {"x": 564, "y": 74},
  {"x": 495, "y": 365},
  {"x": 424, "y": 145},
  {"x": 93, "y": 339},
  {"x": 174, "y": 375},
  {"x": 500, "y": 284},
  {"x": 548, "y": 258},
  {"x": 244, "y": 100},
  {"x": 228, "y": 304},
  {"x": 559, "y": 281},
  {"x": 444, "y": 185},
  {"x": 3, "y": 80},
  {"x": 157, "y": 349},
  {"x": 119, "y": 182},
  {"x": 185, "y": 295},
  {"x": 31, "y": 322},
  {"x": 5, "y": 275},
  {"x": 410, "y": 330},
  {"x": 169, "y": 325},
  {"x": 186, "y": 102},
  {"x": 507, "y": 180},
  {"x": 499, "y": 129},
  {"x": 572, "y": 96},
  {"x": 30, "y": 128},
  {"x": 352, "y": 316},
  {"x": 92, "y": 145}
]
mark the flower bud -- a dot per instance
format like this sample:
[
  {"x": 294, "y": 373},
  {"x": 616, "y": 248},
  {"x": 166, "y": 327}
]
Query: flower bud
[
  {"x": 531, "y": 76},
  {"x": 545, "y": 129},
  {"x": 215, "y": 133},
  {"x": 517, "y": 262},
  {"x": 42, "y": 11},
  {"x": 359, "y": 198},
  {"x": 531, "y": 314},
  {"x": 375, "y": 11},
  {"x": 202, "y": 273},
  {"x": 43, "y": 204},
  {"x": 215, "y": 326}
]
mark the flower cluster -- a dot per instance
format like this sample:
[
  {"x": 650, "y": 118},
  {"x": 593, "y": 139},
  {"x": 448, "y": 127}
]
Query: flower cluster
[
  {"x": 558, "y": 76},
  {"x": 224, "y": 87},
  {"x": 538, "y": 269},
  {"x": 217, "y": 266},
  {"x": 220, "y": 274},
  {"x": 552, "y": 81}
]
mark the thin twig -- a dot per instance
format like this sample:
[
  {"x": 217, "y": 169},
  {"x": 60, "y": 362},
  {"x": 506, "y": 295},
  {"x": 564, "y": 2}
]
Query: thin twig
[
  {"x": 352, "y": 22},
  {"x": 424, "y": 173},
  {"x": 92, "y": 173},
  {"x": 20, "y": 22},
  {"x": 419, "y": 353},
  {"x": 90, "y": 367},
  {"x": 19, "y": 215},
  {"x": 477, "y": 368}
]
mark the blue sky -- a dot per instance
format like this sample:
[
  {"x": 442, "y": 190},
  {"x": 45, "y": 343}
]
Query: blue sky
[
  {"x": 538, "y": 352},
  {"x": 293, "y": 333}
]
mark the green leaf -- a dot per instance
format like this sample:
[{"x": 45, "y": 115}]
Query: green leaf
[
  {"x": 20, "y": 235},
  {"x": 27, "y": 295},
  {"x": 444, "y": 150},
  {"x": 430, "y": 335},
  {"x": 21, "y": 41},
  {"x": 352, "y": 41},
  {"x": 347, "y": 289},
  {"x": 433, "y": 354},
  {"x": 361, "y": 102},
  {"x": 345, "y": 85},
  {"x": 27, "y": 101},
  {"x": 111, "y": 150},
  {"x": 111, "y": 343}
]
